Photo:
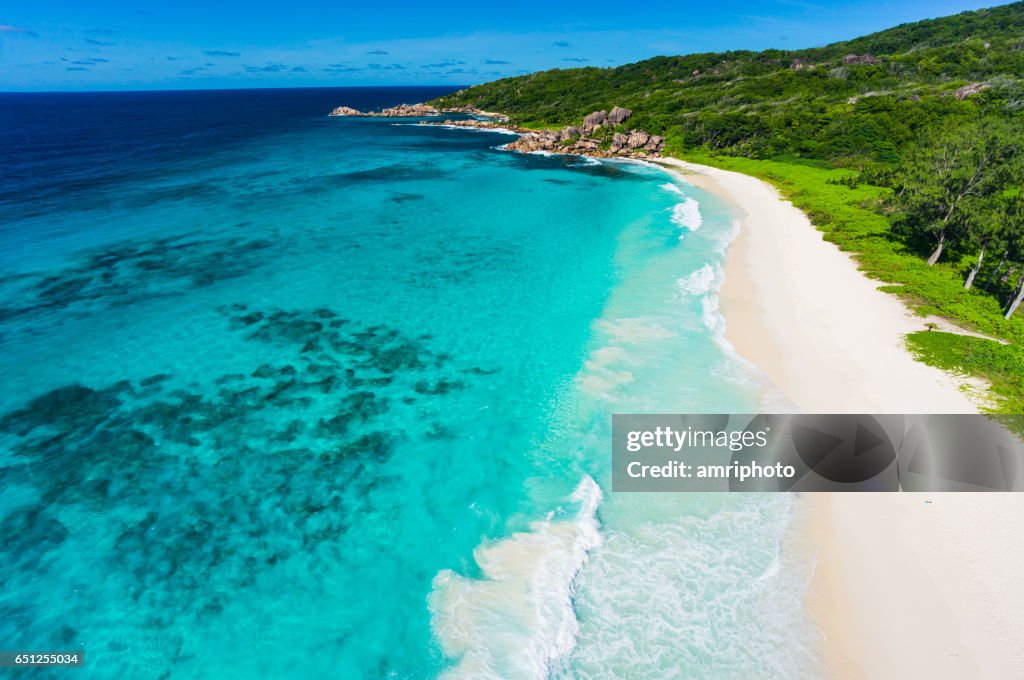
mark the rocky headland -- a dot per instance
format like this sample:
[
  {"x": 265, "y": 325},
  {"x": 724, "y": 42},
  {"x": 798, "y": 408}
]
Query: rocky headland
[
  {"x": 406, "y": 111},
  {"x": 600, "y": 135}
]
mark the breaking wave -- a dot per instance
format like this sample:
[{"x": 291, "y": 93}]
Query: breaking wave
[
  {"x": 687, "y": 215},
  {"x": 517, "y": 619}
]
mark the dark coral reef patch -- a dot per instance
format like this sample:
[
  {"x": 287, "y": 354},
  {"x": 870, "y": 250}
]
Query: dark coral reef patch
[{"x": 219, "y": 482}]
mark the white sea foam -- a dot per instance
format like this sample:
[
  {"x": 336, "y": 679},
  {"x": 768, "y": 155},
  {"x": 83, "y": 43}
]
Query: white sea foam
[
  {"x": 705, "y": 282},
  {"x": 687, "y": 214},
  {"x": 711, "y": 314},
  {"x": 517, "y": 621},
  {"x": 671, "y": 188},
  {"x": 699, "y": 282},
  {"x": 677, "y": 592}
]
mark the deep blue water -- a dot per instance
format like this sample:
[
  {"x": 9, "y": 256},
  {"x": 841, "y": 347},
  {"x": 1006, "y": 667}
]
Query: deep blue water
[{"x": 295, "y": 396}]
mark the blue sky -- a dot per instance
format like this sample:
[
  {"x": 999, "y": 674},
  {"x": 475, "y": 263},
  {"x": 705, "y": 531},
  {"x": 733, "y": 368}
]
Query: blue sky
[{"x": 117, "y": 44}]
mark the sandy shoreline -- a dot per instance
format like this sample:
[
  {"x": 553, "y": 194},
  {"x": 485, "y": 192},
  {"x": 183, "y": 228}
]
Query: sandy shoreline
[{"x": 905, "y": 585}]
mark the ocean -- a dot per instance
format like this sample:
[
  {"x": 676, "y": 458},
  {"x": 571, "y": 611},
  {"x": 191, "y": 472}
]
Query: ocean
[{"x": 295, "y": 396}]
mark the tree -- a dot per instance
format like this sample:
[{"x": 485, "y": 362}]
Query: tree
[
  {"x": 986, "y": 234},
  {"x": 946, "y": 178},
  {"x": 991, "y": 229},
  {"x": 1010, "y": 213},
  {"x": 1016, "y": 298}
]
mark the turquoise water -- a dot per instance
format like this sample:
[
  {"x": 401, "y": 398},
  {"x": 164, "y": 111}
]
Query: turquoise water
[{"x": 332, "y": 399}]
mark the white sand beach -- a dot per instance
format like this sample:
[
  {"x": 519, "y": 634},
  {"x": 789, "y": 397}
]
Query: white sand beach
[{"x": 905, "y": 585}]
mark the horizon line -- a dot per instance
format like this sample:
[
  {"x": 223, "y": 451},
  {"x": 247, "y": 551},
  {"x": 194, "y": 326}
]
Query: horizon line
[{"x": 233, "y": 89}]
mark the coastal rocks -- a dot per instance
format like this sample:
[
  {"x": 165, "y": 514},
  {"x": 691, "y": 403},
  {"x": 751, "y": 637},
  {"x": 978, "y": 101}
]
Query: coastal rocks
[
  {"x": 473, "y": 111},
  {"x": 637, "y": 143},
  {"x": 637, "y": 139},
  {"x": 413, "y": 111},
  {"x": 619, "y": 115},
  {"x": 634, "y": 141},
  {"x": 346, "y": 111},
  {"x": 577, "y": 140},
  {"x": 400, "y": 111},
  {"x": 594, "y": 120},
  {"x": 619, "y": 141},
  {"x": 570, "y": 133},
  {"x": 587, "y": 140},
  {"x": 408, "y": 111},
  {"x": 654, "y": 145}
]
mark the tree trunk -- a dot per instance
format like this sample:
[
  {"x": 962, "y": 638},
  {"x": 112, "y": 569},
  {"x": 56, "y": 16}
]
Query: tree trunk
[
  {"x": 938, "y": 249},
  {"x": 977, "y": 267},
  {"x": 995, "y": 272},
  {"x": 1017, "y": 297}
]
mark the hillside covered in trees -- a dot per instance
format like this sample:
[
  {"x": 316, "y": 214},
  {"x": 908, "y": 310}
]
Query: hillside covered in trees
[
  {"x": 906, "y": 147},
  {"x": 854, "y": 101}
]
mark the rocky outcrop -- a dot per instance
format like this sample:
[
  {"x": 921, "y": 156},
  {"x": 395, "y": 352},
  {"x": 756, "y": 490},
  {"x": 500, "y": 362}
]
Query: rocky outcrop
[
  {"x": 619, "y": 142},
  {"x": 400, "y": 111},
  {"x": 413, "y": 111},
  {"x": 638, "y": 139},
  {"x": 594, "y": 120},
  {"x": 970, "y": 90},
  {"x": 635, "y": 144},
  {"x": 573, "y": 139},
  {"x": 866, "y": 59},
  {"x": 346, "y": 111},
  {"x": 408, "y": 111},
  {"x": 570, "y": 133},
  {"x": 618, "y": 115}
]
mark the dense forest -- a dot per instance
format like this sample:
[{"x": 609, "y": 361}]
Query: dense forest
[{"x": 906, "y": 147}]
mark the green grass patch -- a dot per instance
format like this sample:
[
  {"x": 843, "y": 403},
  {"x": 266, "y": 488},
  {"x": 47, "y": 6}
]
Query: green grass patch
[{"x": 1001, "y": 365}]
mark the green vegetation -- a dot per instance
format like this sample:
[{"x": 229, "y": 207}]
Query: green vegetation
[
  {"x": 947, "y": 186},
  {"x": 899, "y": 145},
  {"x": 1001, "y": 365},
  {"x": 853, "y": 102}
]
